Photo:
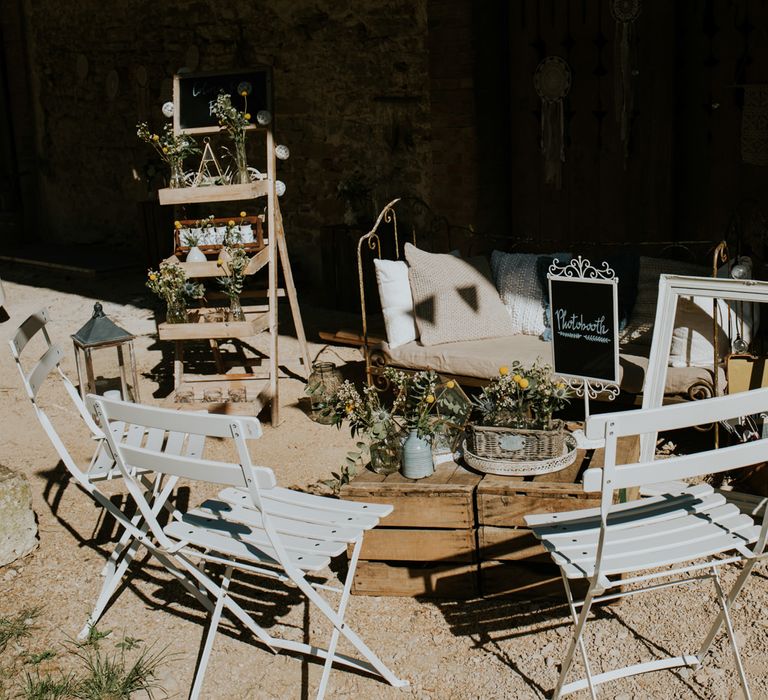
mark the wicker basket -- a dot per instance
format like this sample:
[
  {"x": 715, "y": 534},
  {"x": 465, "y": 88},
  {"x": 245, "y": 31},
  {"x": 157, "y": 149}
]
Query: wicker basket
[
  {"x": 516, "y": 444},
  {"x": 505, "y": 467}
]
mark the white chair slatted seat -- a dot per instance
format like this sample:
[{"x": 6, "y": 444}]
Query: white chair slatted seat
[
  {"x": 102, "y": 466},
  {"x": 260, "y": 528},
  {"x": 680, "y": 533}
]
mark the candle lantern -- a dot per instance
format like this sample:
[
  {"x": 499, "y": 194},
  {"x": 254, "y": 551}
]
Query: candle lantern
[{"x": 101, "y": 332}]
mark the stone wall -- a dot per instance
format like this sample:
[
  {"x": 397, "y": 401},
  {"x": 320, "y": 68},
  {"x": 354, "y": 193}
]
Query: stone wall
[{"x": 351, "y": 84}]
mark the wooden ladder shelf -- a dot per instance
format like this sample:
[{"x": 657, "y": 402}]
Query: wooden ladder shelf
[{"x": 258, "y": 319}]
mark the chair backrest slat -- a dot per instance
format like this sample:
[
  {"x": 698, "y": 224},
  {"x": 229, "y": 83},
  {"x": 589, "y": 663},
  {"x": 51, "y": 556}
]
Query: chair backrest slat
[
  {"x": 42, "y": 369},
  {"x": 178, "y": 421},
  {"x": 27, "y": 330},
  {"x": 678, "y": 468},
  {"x": 680, "y": 415},
  {"x": 226, "y": 473}
]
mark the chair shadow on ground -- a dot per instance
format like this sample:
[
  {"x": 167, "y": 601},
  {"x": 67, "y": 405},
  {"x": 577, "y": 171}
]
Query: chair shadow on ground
[
  {"x": 492, "y": 620},
  {"x": 266, "y": 599}
]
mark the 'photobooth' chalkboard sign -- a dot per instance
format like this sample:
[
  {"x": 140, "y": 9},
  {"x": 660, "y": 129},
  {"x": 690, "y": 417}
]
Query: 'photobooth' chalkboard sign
[
  {"x": 194, "y": 94},
  {"x": 585, "y": 328}
]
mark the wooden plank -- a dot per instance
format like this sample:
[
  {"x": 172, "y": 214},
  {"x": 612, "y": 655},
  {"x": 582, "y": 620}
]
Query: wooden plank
[
  {"x": 510, "y": 510},
  {"x": 257, "y": 262},
  {"x": 394, "y": 544},
  {"x": 448, "y": 510},
  {"x": 217, "y": 193},
  {"x": 430, "y": 581},
  {"x": 436, "y": 501},
  {"x": 510, "y": 544},
  {"x": 255, "y": 323},
  {"x": 523, "y": 581}
]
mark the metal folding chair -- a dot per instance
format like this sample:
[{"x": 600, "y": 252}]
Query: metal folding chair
[
  {"x": 102, "y": 466},
  {"x": 676, "y": 536},
  {"x": 256, "y": 527}
]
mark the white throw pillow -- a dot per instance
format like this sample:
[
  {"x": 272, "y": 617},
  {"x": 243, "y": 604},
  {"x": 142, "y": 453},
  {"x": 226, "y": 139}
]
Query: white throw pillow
[
  {"x": 396, "y": 301},
  {"x": 516, "y": 279},
  {"x": 692, "y": 333}
]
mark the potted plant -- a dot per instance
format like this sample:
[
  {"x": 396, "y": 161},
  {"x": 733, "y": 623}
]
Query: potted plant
[
  {"x": 514, "y": 415},
  {"x": 171, "y": 284},
  {"x": 399, "y": 431},
  {"x": 234, "y": 122},
  {"x": 233, "y": 261},
  {"x": 192, "y": 238},
  {"x": 172, "y": 148}
]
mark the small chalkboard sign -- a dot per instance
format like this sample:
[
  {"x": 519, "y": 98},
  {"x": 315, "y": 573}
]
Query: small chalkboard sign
[
  {"x": 585, "y": 338},
  {"x": 194, "y": 94}
]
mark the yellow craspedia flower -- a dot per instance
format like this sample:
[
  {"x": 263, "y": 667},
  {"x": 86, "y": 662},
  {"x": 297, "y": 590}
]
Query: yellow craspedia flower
[
  {"x": 450, "y": 384},
  {"x": 503, "y": 371},
  {"x": 153, "y": 277},
  {"x": 242, "y": 214},
  {"x": 219, "y": 263},
  {"x": 247, "y": 116},
  {"x": 155, "y": 137},
  {"x": 177, "y": 224},
  {"x": 430, "y": 398},
  {"x": 560, "y": 385},
  {"x": 523, "y": 383},
  {"x": 516, "y": 379},
  {"x": 244, "y": 93},
  {"x": 230, "y": 223},
  {"x": 165, "y": 149},
  {"x": 350, "y": 407}
]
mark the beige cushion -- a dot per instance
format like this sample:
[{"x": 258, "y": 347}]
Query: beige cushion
[
  {"x": 639, "y": 330},
  {"x": 452, "y": 300},
  {"x": 482, "y": 358}
]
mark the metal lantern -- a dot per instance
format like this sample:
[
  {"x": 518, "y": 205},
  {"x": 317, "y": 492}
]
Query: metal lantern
[{"x": 101, "y": 332}]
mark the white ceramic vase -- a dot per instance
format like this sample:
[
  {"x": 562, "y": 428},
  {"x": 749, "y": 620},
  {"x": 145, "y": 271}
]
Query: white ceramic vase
[{"x": 196, "y": 255}]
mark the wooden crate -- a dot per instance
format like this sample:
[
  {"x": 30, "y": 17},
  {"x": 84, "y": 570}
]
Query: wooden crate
[
  {"x": 512, "y": 562},
  {"x": 427, "y": 546}
]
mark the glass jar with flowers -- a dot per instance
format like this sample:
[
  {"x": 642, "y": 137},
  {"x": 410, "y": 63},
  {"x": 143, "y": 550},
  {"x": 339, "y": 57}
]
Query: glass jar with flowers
[
  {"x": 420, "y": 406},
  {"x": 514, "y": 415},
  {"x": 172, "y": 148},
  {"x": 234, "y": 122},
  {"x": 233, "y": 261},
  {"x": 171, "y": 284}
]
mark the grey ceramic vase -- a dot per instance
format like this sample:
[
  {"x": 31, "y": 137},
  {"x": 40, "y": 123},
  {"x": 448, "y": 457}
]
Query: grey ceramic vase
[{"x": 417, "y": 457}]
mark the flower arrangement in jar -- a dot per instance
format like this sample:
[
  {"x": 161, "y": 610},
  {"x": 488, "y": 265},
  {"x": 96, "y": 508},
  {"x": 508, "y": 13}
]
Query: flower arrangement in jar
[
  {"x": 234, "y": 122},
  {"x": 171, "y": 147},
  {"x": 171, "y": 284}
]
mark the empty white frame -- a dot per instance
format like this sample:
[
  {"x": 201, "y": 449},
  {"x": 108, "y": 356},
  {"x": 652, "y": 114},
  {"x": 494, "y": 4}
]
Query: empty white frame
[{"x": 671, "y": 288}]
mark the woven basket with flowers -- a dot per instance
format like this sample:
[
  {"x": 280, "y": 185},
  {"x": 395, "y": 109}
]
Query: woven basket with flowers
[{"x": 513, "y": 417}]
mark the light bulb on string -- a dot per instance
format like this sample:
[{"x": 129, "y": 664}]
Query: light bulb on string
[
  {"x": 167, "y": 109},
  {"x": 279, "y": 188},
  {"x": 263, "y": 117},
  {"x": 282, "y": 152}
]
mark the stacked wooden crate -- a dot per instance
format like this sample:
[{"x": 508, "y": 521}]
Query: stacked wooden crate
[
  {"x": 427, "y": 546},
  {"x": 512, "y": 562}
]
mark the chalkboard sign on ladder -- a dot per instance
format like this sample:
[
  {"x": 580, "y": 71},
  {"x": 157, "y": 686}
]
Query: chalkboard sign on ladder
[
  {"x": 194, "y": 94},
  {"x": 585, "y": 328}
]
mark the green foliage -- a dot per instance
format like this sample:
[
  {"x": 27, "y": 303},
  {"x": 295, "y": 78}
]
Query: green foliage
[
  {"x": 46, "y": 687},
  {"x": 170, "y": 283},
  {"x": 17, "y": 627},
  {"x": 104, "y": 673},
  {"x": 233, "y": 264},
  {"x": 521, "y": 397},
  {"x": 171, "y": 147}
]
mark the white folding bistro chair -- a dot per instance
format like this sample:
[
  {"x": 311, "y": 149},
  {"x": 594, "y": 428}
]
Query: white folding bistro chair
[
  {"x": 102, "y": 466},
  {"x": 255, "y": 527},
  {"x": 660, "y": 542}
]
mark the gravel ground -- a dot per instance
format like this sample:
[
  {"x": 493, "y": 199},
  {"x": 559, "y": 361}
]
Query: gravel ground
[{"x": 480, "y": 648}]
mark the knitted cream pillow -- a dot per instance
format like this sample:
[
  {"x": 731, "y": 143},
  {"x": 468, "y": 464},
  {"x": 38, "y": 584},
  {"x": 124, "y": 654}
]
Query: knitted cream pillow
[
  {"x": 452, "y": 300},
  {"x": 522, "y": 294}
]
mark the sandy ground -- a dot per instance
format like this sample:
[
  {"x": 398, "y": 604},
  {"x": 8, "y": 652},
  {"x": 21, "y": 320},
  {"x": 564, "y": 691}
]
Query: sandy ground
[{"x": 481, "y": 648}]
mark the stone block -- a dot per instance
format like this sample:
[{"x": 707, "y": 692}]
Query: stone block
[{"x": 18, "y": 527}]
